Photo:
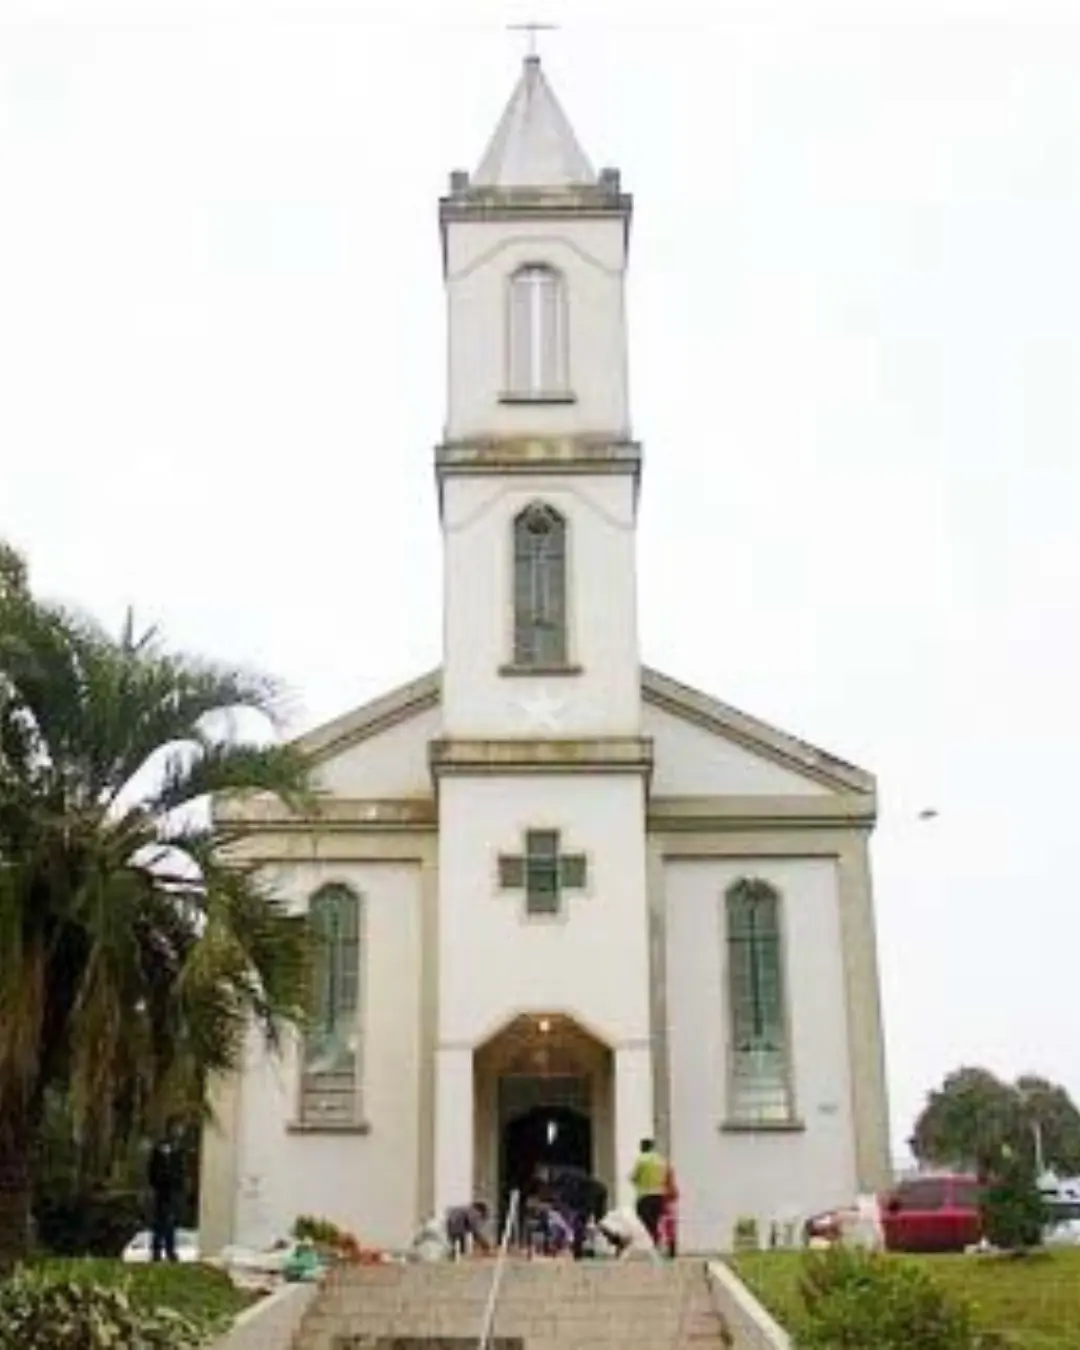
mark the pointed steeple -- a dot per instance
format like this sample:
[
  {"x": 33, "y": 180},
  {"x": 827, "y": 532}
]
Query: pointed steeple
[{"x": 534, "y": 145}]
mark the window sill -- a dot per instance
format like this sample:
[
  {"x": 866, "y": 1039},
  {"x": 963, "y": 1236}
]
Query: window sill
[
  {"x": 562, "y": 668},
  {"x": 509, "y": 396},
  {"x": 762, "y": 1126},
  {"x": 328, "y": 1127}
]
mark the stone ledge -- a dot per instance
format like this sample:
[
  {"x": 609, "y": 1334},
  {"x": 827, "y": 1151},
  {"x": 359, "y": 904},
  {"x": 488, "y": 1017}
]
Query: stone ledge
[
  {"x": 328, "y": 1127},
  {"x": 762, "y": 1126},
  {"x": 539, "y": 672},
  {"x": 333, "y": 813},
  {"x": 538, "y": 454},
  {"x": 608, "y": 754},
  {"x": 272, "y": 1323},
  {"x": 554, "y": 396},
  {"x": 797, "y": 811},
  {"x": 748, "y": 1325},
  {"x": 581, "y": 199}
]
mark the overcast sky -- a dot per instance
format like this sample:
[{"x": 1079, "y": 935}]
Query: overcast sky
[{"x": 855, "y": 308}]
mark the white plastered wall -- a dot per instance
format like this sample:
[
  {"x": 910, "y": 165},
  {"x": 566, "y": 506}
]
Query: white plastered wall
[
  {"x": 365, "y": 1182},
  {"x": 481, "y": 258},
  {"x": 605, "y": 698},
  {"x": 690, "y": 761},
  {"x": 591, "y": 963},
  {"x": 767, "y": 1174},
  {"x": 391, "y": 763}
]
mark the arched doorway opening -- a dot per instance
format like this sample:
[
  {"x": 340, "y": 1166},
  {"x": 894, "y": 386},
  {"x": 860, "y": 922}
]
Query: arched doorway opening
[
  {"x": 544, "y": 1136},
  {"x": 544, "y": 1095}
]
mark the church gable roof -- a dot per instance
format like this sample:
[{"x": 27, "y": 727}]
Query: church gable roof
[
  {"x": 534, "y": 145},
  {"x": 792, "y": 755},
  {"x": 731, "y": 724},
  {"x": 400, "y": 704}
]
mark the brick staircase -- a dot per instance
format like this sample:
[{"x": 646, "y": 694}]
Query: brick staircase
[{"x": 543, "y": 1305}]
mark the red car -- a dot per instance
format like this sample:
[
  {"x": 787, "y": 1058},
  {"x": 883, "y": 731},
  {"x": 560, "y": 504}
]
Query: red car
[
  {"x": 921, "y": 1214},
  {"x": 932, "y": 1214}
]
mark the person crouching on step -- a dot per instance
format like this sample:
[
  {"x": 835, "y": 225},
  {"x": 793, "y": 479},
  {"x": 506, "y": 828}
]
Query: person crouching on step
[{"x": 465, "y": 1226}]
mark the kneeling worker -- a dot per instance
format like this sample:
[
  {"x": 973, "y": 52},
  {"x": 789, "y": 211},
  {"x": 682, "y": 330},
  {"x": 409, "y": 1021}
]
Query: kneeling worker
[{"x": 464, "y": 1222}]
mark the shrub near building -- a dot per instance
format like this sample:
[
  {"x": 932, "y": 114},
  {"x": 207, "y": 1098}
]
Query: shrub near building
[
  {"x": 103, "y": 1305},
  {"x": 856, "y": 1300}
]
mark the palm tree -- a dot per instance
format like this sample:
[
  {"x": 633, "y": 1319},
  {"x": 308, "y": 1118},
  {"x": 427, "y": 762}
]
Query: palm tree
[{"x": 134, "y": 956}]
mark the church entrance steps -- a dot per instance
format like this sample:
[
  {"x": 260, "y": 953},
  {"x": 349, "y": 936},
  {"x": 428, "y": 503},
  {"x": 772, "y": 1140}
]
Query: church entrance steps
[{"x": 543, "y": 1305}]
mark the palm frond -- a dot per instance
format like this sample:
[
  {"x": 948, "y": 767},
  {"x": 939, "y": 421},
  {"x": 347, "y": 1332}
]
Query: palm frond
[
  {"x": 134, "y": 959},
  {"x": 224, "y": 769}
]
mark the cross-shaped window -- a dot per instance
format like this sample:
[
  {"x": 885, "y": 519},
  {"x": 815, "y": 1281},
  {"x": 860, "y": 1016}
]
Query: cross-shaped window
[{"x": 542, "y": 872}]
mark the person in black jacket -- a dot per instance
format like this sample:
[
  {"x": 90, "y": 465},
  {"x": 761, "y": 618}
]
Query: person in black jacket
[
  {"x": 165, "y": 1173},
  {"x": 580, "y": 1197}
]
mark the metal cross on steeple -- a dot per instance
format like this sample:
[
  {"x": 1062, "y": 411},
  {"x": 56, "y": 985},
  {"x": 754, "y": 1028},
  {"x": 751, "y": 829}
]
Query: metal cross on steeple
[{"x": 532, "y": 29}]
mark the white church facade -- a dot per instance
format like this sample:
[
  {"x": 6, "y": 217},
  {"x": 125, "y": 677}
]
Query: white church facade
[{"x": 562, "y": 901}]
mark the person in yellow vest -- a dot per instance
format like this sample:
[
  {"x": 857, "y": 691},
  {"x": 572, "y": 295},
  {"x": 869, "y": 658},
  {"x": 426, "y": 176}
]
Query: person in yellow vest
[{"x": 650, "y": 1180}]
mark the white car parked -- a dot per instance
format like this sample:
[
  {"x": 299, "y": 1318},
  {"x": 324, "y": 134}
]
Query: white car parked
[{"x": 140, "y": 1248}]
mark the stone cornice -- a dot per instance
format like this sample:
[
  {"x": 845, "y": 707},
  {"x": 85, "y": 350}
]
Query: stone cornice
[
  {"x": 329, "y": 815},
  {"x": 720, "y": 814},
  {"x": 666, "y": 815},
  {"x": 538, "y": 454},
  {"x": 287, "y": 843},
  {"x": 523, "y": 456},
  {"x": 606, "y": 754},
  {"x": 583, "y": 201}
]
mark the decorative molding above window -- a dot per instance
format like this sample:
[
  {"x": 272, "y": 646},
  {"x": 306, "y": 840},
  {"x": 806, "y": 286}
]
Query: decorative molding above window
[
  {"x": 331, "y": 1047},
  {"x": 759, "y": 1069},
  {"x": 537, "y": 347}
]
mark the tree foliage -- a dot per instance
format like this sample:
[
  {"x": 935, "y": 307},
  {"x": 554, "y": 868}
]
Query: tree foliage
[
  {"x": 1014, "y": 1213},
  {"x": 134, "y": 950},
  {"x": 974, "y": 1115}
]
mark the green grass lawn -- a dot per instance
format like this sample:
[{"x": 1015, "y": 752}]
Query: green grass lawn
[
  {"x": 200, "y": 1293},
  {"x": 1034, "y": 1301}
]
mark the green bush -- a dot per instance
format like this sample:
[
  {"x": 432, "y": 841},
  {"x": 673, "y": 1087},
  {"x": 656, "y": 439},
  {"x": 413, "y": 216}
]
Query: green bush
[
  {"x": 746, "y": 1237},
  {"x": 315, "y": 1229},
  {"x": 857, "y": 1300},
  {"x": 40, "y": 1312},
  {"x": 100, "y": 1223},
  {"x": 1013, "y": 1211},
  {"x": 203, "y": 1294}
]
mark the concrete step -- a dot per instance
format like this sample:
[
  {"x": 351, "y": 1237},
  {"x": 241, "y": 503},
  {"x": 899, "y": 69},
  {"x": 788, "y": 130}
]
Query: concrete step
[{"x": 543, "y": 1305}]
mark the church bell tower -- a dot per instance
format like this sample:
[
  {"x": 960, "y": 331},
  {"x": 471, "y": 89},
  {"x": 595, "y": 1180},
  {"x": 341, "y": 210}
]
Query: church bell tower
[
  {"x": 541, "y": 767},
  {"x": 538, "y": 474}
]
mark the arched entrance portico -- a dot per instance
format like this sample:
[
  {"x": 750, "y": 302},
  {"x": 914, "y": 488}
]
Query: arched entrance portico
[{"x": 543, "y": 1094}]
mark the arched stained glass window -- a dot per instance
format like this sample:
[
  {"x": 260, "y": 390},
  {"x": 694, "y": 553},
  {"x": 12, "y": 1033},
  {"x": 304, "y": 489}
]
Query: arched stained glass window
[
  {"x": 537, "y": 332},
  {"x": 540, "y": 587},
  {"x": 759, "y": 1080},
  {"x": 331, "y": 1044}
]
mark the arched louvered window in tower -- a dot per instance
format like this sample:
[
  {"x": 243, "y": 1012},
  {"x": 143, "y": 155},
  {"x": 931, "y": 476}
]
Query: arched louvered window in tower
[
  {"x": 540, "y": 587},
  {"x": 331, "y": 1068},
  {"x": 537, "y": 333},
  {"x": 759, "y": 1069}
]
